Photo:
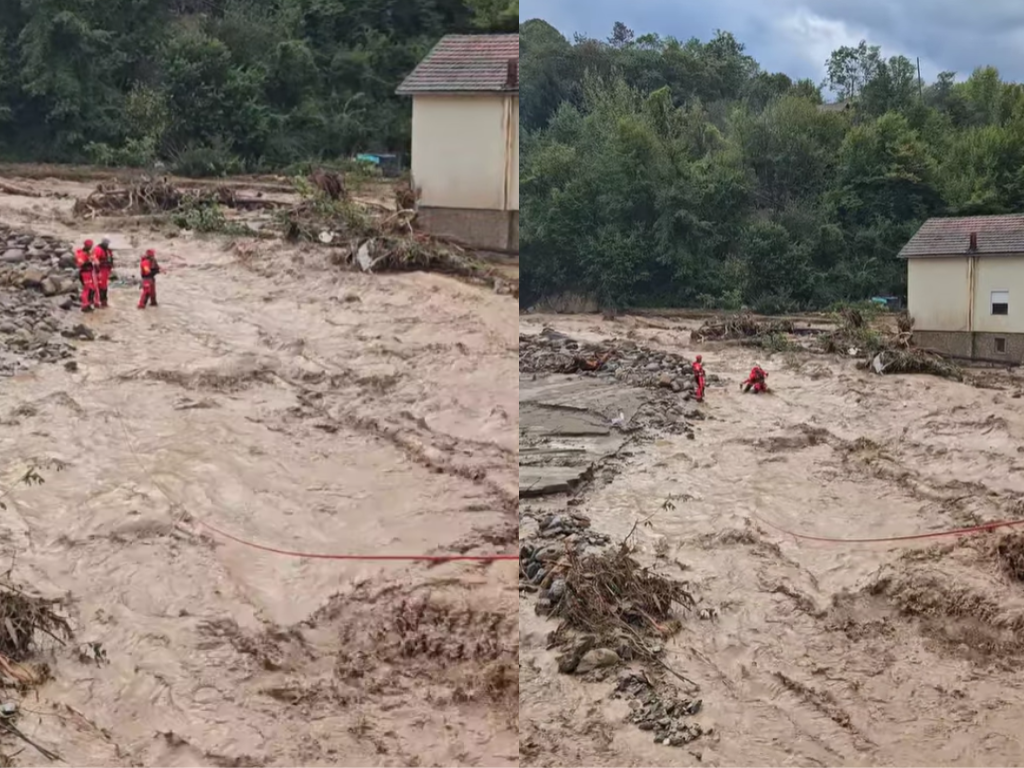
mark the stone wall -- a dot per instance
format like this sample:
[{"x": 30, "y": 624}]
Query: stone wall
[
  {"x": 974, "y": 345},
  {"x": 481, "y": 229}
]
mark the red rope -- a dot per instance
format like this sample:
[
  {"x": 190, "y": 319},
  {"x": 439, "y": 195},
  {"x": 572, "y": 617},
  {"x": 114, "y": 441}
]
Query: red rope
[
  {"x": 324, "y": 556},
  {"x": 913, "y": 537}
]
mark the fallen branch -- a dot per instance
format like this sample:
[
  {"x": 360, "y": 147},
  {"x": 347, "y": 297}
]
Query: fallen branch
[{"x": 10, "y": 189}]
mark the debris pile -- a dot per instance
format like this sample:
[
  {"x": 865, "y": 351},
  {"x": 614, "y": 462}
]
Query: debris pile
[
  {"x": 615, "y": 602},
  {"x": 30, "y": 624},
  {"x": 329, "y": 183},
  {"x": 554, "y": 352},
  {"x": 663, "y": 714},
  {"x": 742, "y": 326},
  {"x": 147, "y": 197},
  {"x": 885, "y": 352},
  {"x": 380, "y": 241}
]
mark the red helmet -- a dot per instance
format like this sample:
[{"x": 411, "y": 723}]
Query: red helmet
[
  {"x": 88, "y": 243},
  {"x": 151, "y": 252},
  {"x": 699, "y": 358}
]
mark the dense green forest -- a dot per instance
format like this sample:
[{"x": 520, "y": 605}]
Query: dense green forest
[
  {"x": 216, "y": 86},
  {"x": 669, "y": 173}
]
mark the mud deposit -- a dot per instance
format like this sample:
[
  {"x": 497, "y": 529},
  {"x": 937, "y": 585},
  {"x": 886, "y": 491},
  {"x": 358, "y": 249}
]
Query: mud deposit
[
  {"x": 809, "y": 653},
  {"x": 301, "y": 407}
]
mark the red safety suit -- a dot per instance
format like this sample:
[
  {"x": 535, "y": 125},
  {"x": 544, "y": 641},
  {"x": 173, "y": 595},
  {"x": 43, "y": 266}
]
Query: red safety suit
[
  {"x": 86, "y": 264},
  {"x": 698, "y": 375},
  {"x": 104, "y": 265},
  {"x": 149, "y": 269},
  {"x": 756, "y": 380}
]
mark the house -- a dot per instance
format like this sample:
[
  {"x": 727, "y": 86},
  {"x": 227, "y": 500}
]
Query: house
[
  {"x": 965, "y": 286},
  {"x": 465, "y": 139}
]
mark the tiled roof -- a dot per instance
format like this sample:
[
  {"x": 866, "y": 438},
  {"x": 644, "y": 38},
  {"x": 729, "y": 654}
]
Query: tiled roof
[
  {"x": 467, "y": 64},
  {"x": 952, "y": 237}
]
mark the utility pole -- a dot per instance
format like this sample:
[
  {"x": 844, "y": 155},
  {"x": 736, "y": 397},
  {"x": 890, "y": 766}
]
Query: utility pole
[{"x": 920, "y": 83}]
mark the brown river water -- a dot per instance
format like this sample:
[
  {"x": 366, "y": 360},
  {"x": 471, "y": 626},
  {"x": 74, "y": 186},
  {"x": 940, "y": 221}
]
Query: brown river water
[
  {"x": 293, "y": 405},
  {"x": 821, "y": 654}
]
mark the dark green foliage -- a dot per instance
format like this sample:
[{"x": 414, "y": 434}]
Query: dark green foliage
[
  {"x": 217, "y": 86},
  {"x": 662, "y": 172}
]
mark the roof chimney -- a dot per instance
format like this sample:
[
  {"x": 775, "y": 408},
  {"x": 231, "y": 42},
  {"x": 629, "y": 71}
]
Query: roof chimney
[
  {"x": 974, "y": 242},
  {"x": 512, "y": 79}
]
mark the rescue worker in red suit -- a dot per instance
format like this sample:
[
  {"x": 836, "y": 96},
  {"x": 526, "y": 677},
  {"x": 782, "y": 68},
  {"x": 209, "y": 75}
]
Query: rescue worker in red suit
[
  {"x": 698, "y": 375},
  {"x": 149, "y": 269},
  {"x": 85, "y": 261},
  {"x": 756, "y": 380},
  {"x": 104, "y": 265}
]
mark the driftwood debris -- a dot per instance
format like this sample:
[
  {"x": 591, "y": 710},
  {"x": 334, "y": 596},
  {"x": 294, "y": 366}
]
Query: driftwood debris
[
  {"x": 148, "y": 197},
  {"x": 330, "y": 183},
  {"x": 10, "y": 189}
]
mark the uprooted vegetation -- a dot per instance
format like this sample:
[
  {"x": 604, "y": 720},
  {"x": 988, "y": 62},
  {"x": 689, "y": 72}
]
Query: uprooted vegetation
[
  {"x": 741, "y": 326},
  {"x": 374, "y": 238},
  {"x": 884, "y": 352},
  {"x": 612, "y": 606},
  {"x": 367, "y": 236},
  {"x": 147, "y": 197}
]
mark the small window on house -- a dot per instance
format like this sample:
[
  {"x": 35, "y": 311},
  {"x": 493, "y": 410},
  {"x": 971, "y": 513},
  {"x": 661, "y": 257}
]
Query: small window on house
[
  {"x": 1000, "y": 345},
  {"x": 1000, "y": 302}
]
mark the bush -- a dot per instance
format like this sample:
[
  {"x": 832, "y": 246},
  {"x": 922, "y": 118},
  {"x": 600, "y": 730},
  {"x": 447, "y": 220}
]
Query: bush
[
  {"x": 206, "y": 162},
  {"x": 207, "y": 218},
  {"x": 136, "y": 153}
]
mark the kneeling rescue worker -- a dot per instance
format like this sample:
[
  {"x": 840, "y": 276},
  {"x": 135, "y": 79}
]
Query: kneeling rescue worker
[
  {"x": 698, "y": 375},
  {"x": 756, "y": 380},
  {"x": 104, "y": 265},
  {"x": 86, "y": 263},
  {"x": 149, "y": 269}
]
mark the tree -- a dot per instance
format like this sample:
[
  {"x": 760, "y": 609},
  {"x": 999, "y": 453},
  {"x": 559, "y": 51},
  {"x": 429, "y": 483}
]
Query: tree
[
  {"x": 656, "y": 171},
  {"x": 235, "y": 82}
]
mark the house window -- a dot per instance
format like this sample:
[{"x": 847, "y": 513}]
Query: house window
[
  {"x": 1000, "y": 345},
  {"x": 1000, "y": 302}
]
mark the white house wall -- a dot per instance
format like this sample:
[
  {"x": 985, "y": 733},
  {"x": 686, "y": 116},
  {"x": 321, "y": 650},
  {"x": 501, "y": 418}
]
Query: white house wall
[
  {"x": 459, "y": 151},
  {"x": 514, "y": 170},
  {"x": 999, "y": 273},
  {"x": 938, "y": 294}
]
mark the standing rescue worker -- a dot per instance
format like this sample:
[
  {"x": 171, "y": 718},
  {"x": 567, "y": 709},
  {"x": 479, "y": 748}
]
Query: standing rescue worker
[
  {"x": 104, "y": 265},
  {"x": 86, "y": 263},
  {"x": 756, "y": 380},
  {"x": 698, "y": 375},
  {"x": 149, "y": 269}
]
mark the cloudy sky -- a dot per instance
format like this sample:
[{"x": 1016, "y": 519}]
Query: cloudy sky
[{"x": 796, "y": 36}]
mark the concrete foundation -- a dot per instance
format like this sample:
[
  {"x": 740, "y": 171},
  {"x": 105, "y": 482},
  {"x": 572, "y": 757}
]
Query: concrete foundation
[
  {"x": 483, "y": 229},
  {"x": 987, "y": 346}
]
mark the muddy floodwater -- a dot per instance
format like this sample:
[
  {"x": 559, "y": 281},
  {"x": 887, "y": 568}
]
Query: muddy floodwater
[
  {"x": 297, "y": 406},
  {"x": 819, "y": 653}
]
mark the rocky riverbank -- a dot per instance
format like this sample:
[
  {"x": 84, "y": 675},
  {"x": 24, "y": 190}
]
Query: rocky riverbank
[
  {"x": 581, "y": 406},
  {"x": 38, "y": 286}
]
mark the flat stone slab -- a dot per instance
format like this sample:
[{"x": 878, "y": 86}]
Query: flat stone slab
[
  {"x": 543, "y": 481},
  {"x": 565, "y": 430}
]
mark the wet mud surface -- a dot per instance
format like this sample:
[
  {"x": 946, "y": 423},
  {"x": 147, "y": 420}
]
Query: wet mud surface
[
  {"x": 296, "y": 406},
  {"x": 815, "y": 653}
]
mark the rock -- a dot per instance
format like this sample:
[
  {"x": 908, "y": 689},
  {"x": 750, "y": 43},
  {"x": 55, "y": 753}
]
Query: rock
[
  {"x": 79, "y": 331},
  {"x": 13, "y": 256},
  {"x": 67, "y": 260},
  {"x": 71, "y": 366},
  {"x": 556, "y": 590},
  {"x": 665, "y": 380},
  {"x": 597, "y": 658},
  {"x": 51, "y": 286},
  {"x": 33, "y": 277}
]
